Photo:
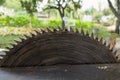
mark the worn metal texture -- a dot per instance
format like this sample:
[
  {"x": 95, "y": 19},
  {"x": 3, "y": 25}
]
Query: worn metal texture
[
  {"x": 66, "y": 72},
  {"x": 58, "y": 47},
  {"x": 60, "y": 55}
]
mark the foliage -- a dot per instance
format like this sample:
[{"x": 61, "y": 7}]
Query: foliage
[
  {"x": 13, "y": 4},
  {"x": 16, "y": 21},
  {"x": 54, "y": 23},
  {"x": 62, "y": 5},
  {"x": 88, "y": 25},
  {"x": 2, "y": 2},
  {"x": 19, "y": 21},
  {"x": 116, "y": 12},
  {"x": 97, "y": 17},
  {"x": 29, "y": 5},
  {"x": 6, "y": 40},
  {"x": 106, "y": 12}
]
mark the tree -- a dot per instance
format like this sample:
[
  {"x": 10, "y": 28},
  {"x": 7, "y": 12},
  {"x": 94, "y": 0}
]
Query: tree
[
  {"x": 30, "y": 7},
  {"x": 13, "y": 4},
  {"x": 116, "y": 12},
  {"x": 106, "y": 12},
  {"x": 2, "y": 2},
  {"x": 62, "y": 5}
]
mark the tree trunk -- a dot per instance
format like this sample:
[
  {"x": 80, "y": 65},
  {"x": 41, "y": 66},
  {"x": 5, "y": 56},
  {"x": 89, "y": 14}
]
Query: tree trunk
[
  {"x": 62, "y": 14},
  {"x": 117, "y": 29},
  {"x": 63, "y": 23}
]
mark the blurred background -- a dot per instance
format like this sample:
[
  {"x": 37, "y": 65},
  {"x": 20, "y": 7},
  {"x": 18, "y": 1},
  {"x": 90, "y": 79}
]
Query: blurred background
[{"x": 20, "y": 17}]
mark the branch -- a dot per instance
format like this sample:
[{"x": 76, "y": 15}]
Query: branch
[
  {"x": 113, "y": 9},
  {"x": 65, "y": 6},
  {"x": 118, "y": 2},
  {"x": 51, "y": 7},
  {"x": 118, "y": 5}
]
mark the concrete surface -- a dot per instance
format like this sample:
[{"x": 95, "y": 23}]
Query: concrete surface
[{"x": 75, "y": 72}]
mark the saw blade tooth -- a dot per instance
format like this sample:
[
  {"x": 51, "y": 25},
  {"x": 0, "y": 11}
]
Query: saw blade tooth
[
  {"x": 92, "y": 35},
  {"x": 87, "y": 33},
  {"x": 96, "y": 38},
  {"x": 1, "y": 57},
  {"x": 77, "y": 31},
  {"x": 26, "y": 36},
  {"x": 6, "y": 52},
  {"x": 48, "y": 30},
  {"x": 117, "y": 56},
  {"x": 16, "y": 41},
  {"x": 8, "y": 48},
  {"x": 111, "y": 49},
  {"x": 33, "y": 35},
  {"x": 37, "y": 32},
  {"x": 105, "y": 43},
  {"x": 101, "y": 40},
  {"x": 71, "y": 29},
  {"x": 43, "y": 31},
  {"x": 22, "y": 39},
  {"x": 13, "y": 45},
  {"x": 82, "y": 31},
  {"x": 65, "y": 30},
  {"x": 108, "y": 46},
  {"x": 54, "y": 30},
  {"x": 114, "y": 51},
  {"x": 60, "y": 29},
  {"x": 2, "y": 53}
]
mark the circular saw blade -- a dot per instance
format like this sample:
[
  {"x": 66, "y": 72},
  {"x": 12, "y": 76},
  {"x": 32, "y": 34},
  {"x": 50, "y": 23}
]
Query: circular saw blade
[{"x": 59, "y": 46}]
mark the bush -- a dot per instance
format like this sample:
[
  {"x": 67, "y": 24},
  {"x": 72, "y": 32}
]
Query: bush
[
  {"x": 85, "y": 24},
  {"x": 5, "y": 21},
  {"x": 54, "y": 23},
  {"x": 24, "y": 20},
  {"x": 16, "y": 21},
  {"x": 36, "y": 23},
  {"x": 20, "y": 21}
]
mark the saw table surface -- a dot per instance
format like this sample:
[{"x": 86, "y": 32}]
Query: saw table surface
[{"x": 63, "y": 72}]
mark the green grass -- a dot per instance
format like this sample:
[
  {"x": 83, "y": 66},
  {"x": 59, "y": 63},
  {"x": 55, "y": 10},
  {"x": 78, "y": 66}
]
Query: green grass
[{"x": 7, "y": 40}]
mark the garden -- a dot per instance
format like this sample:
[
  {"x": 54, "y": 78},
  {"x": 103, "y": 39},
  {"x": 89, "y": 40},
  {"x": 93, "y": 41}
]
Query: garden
[{"x": 12, "y": 27}]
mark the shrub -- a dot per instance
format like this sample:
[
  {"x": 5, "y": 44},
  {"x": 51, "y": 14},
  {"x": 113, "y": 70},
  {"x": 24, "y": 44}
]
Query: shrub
[
  {"x": 16, "y": 21},
  {"x": 85, "y": 24},
  {"x": 54, "y": 23},
  {"x": 24, "y": 20},
  {"x": 36, "y": 23},
  {"x": 19, "y": 21}
]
